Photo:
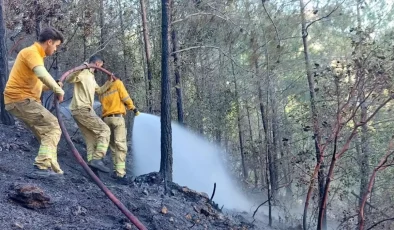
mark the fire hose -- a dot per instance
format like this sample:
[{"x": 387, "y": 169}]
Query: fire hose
[{"x": 80, "y": 160}]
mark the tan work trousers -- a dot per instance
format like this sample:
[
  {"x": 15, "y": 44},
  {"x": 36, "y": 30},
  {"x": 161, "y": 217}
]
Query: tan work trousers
[
  {"x": 95, "y": 132},
  {"x": 45, "y": 127},
  {"x": 118, "y": 144}
]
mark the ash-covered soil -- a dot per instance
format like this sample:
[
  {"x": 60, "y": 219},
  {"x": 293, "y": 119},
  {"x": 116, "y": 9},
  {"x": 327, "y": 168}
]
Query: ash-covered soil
[{"x": 75, "y": 202}]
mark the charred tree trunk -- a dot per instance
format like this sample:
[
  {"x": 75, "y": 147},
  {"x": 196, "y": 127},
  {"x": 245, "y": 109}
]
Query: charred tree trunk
[
  {"x": 253, "y": 148},
  {"x": 276, "y": 135},
  {"x": 199, "y": 96},
  {"x": 240, "y": 133},
  {"x": 102, "y": 29},
  {"x": 268, "y": 178},
  {"x": 141, "y": 45},
  {"x": 165, "y": 120},
  {"x": 6, "y": 118},
  {"x": 267, "y": 145},
  {"x": 38, "y": 17},
  {"x": 264, "y": 113},
  {"x": 275, "y": 138},
  {"x": 241, "y": 145},
  {"x": 147, "y": 53},
  {"x": 262, "y": 158},
  {"x": 102, "y": 36},
  {"x": 177, "y": 70},
  {"x": 315, "y": 121},
  {"x": 86, "y": 15},
  {"x": 128, "y": 79}
]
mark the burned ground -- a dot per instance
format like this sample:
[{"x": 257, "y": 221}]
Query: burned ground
[{"x": 75, "y": 202}]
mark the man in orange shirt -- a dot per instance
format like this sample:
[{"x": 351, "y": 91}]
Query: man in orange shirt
[
  {"x": 114, "y": 102},
  {"x": 28, "y": 78}
]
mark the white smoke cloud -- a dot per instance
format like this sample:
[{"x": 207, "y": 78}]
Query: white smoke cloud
[{"x": 197, "y": 162}]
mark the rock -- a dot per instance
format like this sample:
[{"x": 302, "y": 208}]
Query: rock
[
  {"x": 29, "y": 196},
  {"x": 127, "y": 226},
  {"x": 151, "y": 178},
  {"x": 131, "y": 206},
  {"x": 205, "y": 212},
  {"x": 164, "y": 210},
  {"x": 78, "y": 210},
  {"x": 171, "y": 219},
  {"x": 220, "y": 216},
  {"x": 194, "y": 195},
  {"x": 204, "y": 195},
  {"x": 17, "y": 225},
  {"x": 185, "y": 189},
  {"x": 196, "y": 209},
  {"x": 25, "y": 147},
  {"x": 188, "y": 216}
]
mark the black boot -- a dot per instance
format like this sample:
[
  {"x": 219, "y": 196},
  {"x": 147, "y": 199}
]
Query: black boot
[
  {"x": 125, "y": 180},
  {"x": 99, "y": 165},
  {"x": 38, "y": 173},
  {"x": 95, "y": 171}
]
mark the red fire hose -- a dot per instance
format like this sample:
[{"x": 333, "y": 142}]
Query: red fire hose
[{"x": 80, "y": 160}]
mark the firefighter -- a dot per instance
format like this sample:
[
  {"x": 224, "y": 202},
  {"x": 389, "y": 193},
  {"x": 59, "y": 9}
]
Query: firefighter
[
  {"x": 27, "y": 79},
  {"x": 94, "y": 130},
  {"x": 114, "y": 103}
]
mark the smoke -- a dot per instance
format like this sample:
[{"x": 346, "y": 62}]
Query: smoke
[{"x": 196, "y": 162}]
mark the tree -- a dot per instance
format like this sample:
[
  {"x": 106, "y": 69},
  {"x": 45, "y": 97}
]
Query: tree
[
  {"x": 314, "y": 116},
  {"x": 145, "y": 33},
  {"x": 165, "y": 119},
  {"x": 177, "y": 69},
  {"x": 6, "y": 118}
]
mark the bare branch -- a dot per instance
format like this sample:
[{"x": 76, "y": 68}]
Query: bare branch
[
  {"x": 254, "y": 213},
  {"x": 328, "y": 15},
  {"x": 201, "y": 14},
  {"x": 384, "y": 220},
  {"x": 101, "y": 47},
  {"x": 273, "y": 23},
  {"x": 213, "y": 47}
]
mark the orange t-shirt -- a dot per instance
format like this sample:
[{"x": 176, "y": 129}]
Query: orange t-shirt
[
  {"x": 116, "y": 99},
  {"x": 23, "y": 83}
]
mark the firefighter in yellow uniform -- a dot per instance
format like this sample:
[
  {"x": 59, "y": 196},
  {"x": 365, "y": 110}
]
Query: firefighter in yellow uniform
[
  {"x": 94, "y": 130},
  {"x": 114, "y": 103},
  {"x": 27, "y": 79}
]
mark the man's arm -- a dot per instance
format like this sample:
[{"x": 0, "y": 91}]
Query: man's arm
[
  {"x": 74, "y": 77},
  {"x": 47, "y": 79},
  {"x": 100, "y": 90}
]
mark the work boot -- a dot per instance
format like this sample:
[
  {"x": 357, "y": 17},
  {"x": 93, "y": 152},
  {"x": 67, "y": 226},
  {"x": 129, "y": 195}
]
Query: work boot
[
  {"x": 125, "y": 180},
  {"x": 43, "y": 173},
  {"x": 95, "y": 171},
  {"x": 99, "y": 165}
]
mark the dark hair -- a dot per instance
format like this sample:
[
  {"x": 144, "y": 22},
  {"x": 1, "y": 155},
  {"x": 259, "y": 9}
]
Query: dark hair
[
  {"x": 50, "y": 33},
  {"x": 95, "y": 58}
]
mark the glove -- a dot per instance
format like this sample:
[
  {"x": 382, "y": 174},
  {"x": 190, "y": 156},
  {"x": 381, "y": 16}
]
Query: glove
[{"x": 136, "y": 112}]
